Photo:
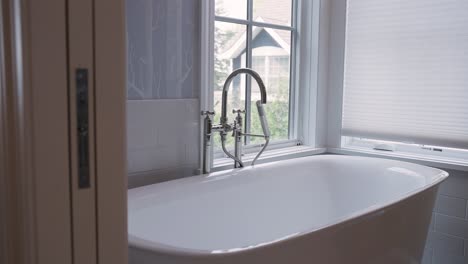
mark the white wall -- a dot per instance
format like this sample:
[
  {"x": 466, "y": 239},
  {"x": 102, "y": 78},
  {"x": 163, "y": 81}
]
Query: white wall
[
  {"x": 322, "y": 75},
  {"x": 335, "y": 71}
]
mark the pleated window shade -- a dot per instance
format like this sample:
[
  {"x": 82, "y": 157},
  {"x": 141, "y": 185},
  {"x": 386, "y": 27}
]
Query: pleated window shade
[{"x": 406, "y": 71}]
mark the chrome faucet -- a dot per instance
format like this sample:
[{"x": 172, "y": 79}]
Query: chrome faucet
[{"x": 224, "y": 127}]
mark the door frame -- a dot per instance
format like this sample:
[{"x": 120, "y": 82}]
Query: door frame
[
  {"x": 110, "y": 114},
  {"x": 36, "y": 205},
  {"x": 35, "y": 185}
]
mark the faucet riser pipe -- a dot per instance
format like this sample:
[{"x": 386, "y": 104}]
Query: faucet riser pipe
[
  {"x": 206, "y": 156},
  {"x": 238, "y": 148},
  {"x": 207, "y": 132}
]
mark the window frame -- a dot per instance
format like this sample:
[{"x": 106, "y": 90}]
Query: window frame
[
  {"x": 305, "y": 61},
  {"x": 406, "y": 148},
  {"x": 249, "y": 23}
]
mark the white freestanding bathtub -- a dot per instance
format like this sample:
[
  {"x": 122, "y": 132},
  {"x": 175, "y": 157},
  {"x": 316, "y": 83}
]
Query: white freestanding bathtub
[{"x": 321, "y": 210}]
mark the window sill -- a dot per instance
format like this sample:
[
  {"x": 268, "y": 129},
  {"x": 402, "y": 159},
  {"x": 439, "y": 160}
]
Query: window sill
[
  {"x": 269, "y": 156},
  {"x": 303, "y": 151},
  {"x": 442, "y": 163}
]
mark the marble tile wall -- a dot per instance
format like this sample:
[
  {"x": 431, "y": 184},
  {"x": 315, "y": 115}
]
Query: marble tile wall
[{"x": 163, "y": 43}]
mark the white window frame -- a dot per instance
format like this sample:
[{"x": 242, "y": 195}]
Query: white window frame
[
  {"x": 249, "y": 23},
  {"x": 436, "y": 152},
  {"x": 303, "y": 78}
]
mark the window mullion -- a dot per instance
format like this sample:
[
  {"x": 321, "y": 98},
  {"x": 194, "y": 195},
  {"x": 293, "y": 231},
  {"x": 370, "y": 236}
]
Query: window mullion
[
  {"x": 254, "y": 23},
  {"x": 248, "y": 80},
  {"x": 293, "y": 75},
  {"x": 231, "y": 20}
]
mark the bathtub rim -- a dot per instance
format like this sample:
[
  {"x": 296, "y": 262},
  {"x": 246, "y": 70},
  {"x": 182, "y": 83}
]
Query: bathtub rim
[{"x": 143, "y": 244}]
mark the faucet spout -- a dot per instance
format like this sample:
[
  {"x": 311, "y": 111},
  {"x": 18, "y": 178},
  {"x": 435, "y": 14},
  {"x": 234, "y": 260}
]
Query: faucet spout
[
  {"x": 227, "y": 83},
  {"x": 236, "y": 128}
]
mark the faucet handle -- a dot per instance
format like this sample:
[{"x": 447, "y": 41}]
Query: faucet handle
[
  {"x": 207, "y": 113},
  {"x": 238, "y": 111}
]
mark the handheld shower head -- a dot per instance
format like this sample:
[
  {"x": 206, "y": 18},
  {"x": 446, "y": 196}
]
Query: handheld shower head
[{"x": 263, "y": 119}]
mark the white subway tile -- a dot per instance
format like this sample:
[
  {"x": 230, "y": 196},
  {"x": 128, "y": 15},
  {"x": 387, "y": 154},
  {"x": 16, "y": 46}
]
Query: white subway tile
[
  {"x": 451, "y": 206},
  {"x": 432, "y": 225},
  {"x": 451, "y": 225},
  {"x": 427, "y": 256},
  {"x": 441, "y": 258},
  {"x": 162, "y": 134},
  {"x": 466, "y": 248},
  {"x": 429, "y": 241},
  {"x": 456, "y": 185},
  {"x": 447, "y": 244}
]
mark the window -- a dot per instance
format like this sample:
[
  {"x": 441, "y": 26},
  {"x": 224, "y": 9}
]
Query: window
[
  {"x": 257, "y": 34},
  {"x": 405, "y": 79}
]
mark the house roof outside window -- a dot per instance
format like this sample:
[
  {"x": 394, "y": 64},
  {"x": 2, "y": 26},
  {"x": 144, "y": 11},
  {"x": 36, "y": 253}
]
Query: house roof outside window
[{"x": 272, "y": 12}]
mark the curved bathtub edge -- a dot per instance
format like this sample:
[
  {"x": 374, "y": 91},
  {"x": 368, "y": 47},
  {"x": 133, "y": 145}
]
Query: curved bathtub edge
[{"x": 166, "y": 249}]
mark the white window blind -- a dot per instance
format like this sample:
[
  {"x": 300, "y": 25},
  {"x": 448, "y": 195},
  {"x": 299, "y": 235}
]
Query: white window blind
[{"x": 406, "y": 71}]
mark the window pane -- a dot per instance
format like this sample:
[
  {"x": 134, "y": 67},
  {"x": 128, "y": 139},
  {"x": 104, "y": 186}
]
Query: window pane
[
  {"x": 274, "y": 12},
  {"x": 231, "y": 8},
  {"x": 271, "y": 55},
  {"x": 229, "y": 54}
]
